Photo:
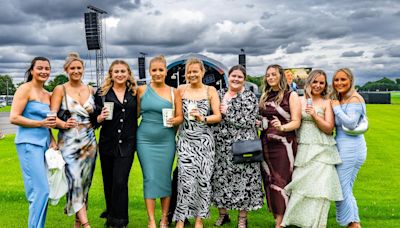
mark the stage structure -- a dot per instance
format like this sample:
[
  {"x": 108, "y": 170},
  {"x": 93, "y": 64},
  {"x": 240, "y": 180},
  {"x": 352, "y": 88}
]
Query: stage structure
[
  {"x": 94, "y": 38},
  {"x": 216, "y": 73}
]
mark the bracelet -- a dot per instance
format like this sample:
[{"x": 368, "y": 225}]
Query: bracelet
[{"x": 282, "y": 128}]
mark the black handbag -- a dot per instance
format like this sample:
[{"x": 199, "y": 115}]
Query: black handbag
[
  {"x": 247, "y": 151},
  {"x": 64, "y": 114}
]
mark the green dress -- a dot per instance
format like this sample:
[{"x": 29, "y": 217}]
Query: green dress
[
  {"x": 315, "y": 181},
  {"x": 155, "y": 146}
]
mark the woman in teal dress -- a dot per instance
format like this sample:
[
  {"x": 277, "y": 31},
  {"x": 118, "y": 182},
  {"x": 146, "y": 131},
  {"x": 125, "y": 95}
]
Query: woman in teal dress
[
  {"x": 155, "y": 142},
  {"x": 315, "y": 182}
]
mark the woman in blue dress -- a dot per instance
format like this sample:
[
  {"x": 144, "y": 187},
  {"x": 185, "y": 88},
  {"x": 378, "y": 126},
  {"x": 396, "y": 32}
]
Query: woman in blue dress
[
  {"x": 29, "y": 110},
  {"x": 349, "y": 107},
  {"x": 76, "y": 138},
  {"x": 156, "y": 142}
]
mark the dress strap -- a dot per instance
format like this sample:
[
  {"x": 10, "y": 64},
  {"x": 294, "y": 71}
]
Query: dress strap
[{"x": 172, "y": 98}]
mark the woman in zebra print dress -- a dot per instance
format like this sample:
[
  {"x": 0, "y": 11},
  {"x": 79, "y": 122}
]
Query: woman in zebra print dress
[{"x": 195, "y": 146}]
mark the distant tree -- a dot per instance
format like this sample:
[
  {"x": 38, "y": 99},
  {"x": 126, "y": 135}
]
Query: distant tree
[
  {"x": 92, "y": 84},
  {"x": 255, "y": 79},
  {"x": 58, "y": 80},
  {"x": 385, "y": 80},
  {"x": 3, "y": 85},
  {"x": 19, "y": 84},
  {"x": 397, "y": 81},
  {"x": 384, "y": 84}
]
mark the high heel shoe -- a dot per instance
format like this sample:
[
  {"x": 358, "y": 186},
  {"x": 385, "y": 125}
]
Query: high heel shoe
[
  {"x": 222, "y": 219},
  {"x": 242, "y": 222}
]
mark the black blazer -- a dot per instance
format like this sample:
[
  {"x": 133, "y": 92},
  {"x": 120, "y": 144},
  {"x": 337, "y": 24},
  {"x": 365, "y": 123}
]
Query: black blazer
[{"x": 118, "y": 136}]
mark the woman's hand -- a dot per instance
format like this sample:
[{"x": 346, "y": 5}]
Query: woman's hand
[
  {"x": 197, "y": 115},
  {"x": 310, "y": 110},
  {"x": 173, "y": 121},
  {"x": 335, "y": 103},
  {"x": 103, "y": 115},
  {"x": 49, "y": 122},
  {"x": 53, "y": 145},
  {"x": 276, "y": 123},
  {"x": 223, "y": 107},
  {"x": 71, "y": 123}
]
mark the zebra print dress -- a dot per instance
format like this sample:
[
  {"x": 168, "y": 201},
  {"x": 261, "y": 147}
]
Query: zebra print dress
[{"x": 195, "y": 148}]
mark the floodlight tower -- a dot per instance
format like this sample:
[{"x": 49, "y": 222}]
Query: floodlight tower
[{"x": 94, "y": 38}]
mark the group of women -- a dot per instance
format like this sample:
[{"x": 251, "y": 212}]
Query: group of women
[{"x": 304, "y": 167}]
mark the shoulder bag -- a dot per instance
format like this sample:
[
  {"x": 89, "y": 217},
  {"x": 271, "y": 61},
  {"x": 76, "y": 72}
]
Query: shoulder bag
[
  {"x": 247, "y": 151},
  {"x": 64, "y": 114}
]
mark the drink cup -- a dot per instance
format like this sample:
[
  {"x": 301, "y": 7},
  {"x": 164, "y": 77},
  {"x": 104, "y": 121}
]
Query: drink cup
[
  {"x": 52, "y": 115},
  {"x": 110, "y": 108},
  {"x": 167, "y": 113},
  {"x": 191, "y": 107},
  {"x": 309, "y": 102}
]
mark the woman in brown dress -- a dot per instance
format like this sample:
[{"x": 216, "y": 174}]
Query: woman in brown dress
[{"x": 281, "y": 115}]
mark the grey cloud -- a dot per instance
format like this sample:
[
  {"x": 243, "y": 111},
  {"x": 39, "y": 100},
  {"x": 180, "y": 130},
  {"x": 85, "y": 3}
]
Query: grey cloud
[
  {"x": 394, "y": 51},
  {"x": 367, "y": 14},
  {"x": 377, "y": 55},
  {"x": 352, "y": 53},
  {"x": 250, "y": 6}
]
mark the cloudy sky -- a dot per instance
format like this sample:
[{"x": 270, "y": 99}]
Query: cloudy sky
[{"x": 363, "y": 34}]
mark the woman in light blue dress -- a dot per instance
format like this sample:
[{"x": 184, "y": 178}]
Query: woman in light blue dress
[
  {"x": 156, "y": 142},
  {"x": 348, "y": 107},
  {"x": 29, "y": 111}
]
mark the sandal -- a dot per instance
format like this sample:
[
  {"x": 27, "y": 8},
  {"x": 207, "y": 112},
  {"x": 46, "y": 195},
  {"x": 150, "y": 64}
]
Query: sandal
[
  {"x": 222, "y": 219},
  {"x": 86, "y": 225},
  {"x": 242, "y": 222}
]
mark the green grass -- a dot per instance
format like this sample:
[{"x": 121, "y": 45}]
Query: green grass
[
  {"x": 395, "y": 97},
  {"x": 5, "y": 109},
  {"x": 376, "y": 188}
]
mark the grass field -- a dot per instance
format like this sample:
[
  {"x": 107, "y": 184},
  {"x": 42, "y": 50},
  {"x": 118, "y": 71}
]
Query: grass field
[
  {"x": 5, "y": 109},
  {"x": 376, "y": 188}
]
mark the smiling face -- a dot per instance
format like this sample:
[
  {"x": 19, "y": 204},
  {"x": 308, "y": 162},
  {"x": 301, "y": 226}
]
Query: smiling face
[
  {"x": 75, "y": 70},
  {"x": 119, "y": 74},
  {"x": 289, "y": 76},
  {"x": 194, "y": 73},
  {"x": 41, "y": 71},
  {"x": 318, "y": 85},
  {"x": 236, "y": 80},
  {"x": 341, "y": 82},
  {"x": 158, "y": 72},
  {"x": 272, "y": 77}
]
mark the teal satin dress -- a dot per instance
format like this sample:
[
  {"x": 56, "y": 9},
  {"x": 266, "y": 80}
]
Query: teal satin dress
[{"x": 155, "y": 146}]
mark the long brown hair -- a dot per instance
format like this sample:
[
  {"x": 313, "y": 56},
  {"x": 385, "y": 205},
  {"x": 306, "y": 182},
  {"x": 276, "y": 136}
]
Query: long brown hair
[
  {"x": 108, "y": 82},
  {"x": 283, "y": 85}
]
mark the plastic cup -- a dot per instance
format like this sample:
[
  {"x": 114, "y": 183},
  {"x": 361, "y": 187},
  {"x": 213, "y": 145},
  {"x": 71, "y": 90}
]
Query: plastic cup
[
  {"x": 110, "y": 108},
  {"x": 191, "y": 107},
  {"x": 167, "y": 113},
  {"x": 52, "y": 115},
  {"x": 309, "y": 102}
]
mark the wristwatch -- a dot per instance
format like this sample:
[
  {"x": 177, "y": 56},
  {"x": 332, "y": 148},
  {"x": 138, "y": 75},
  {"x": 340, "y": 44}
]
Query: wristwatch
[{"x": 205, "y": 120}]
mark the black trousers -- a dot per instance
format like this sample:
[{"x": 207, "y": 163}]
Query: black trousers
[{"x": 115, "y": 170}]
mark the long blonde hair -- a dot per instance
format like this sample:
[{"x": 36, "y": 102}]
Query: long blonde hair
[
  {"x": 108, "y": 82},
  {"x": 335, "y": 95},
  {"x": 310, "y": 79},
  {"x": 283, "y": 85}
]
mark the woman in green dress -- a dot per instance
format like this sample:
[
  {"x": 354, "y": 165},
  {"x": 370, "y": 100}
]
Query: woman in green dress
[
  {"x": 315, "y": 181},
  {"x": 156, "y": 142}
]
